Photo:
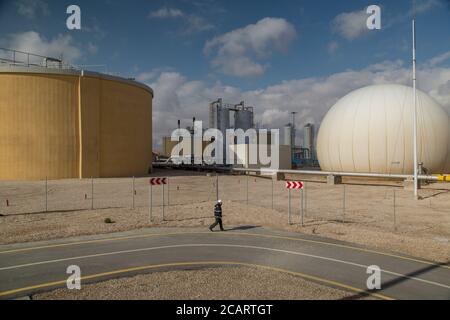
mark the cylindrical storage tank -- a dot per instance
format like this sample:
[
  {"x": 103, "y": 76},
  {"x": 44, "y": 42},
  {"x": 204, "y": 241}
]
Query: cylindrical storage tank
[
  {"x": 243, "y": 119},
  {"x": 212, "y": 115},
  {"x": 370, "y": 130},
  {"x": 223, "y": 119},
  {"x": 60, "y": 124},
  {"x": 308, "y": 137},
  {"x": 288, "y": 136}
]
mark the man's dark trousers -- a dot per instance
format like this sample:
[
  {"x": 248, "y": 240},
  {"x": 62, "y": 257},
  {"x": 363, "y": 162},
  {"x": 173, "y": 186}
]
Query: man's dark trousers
[{"x": 218, "y": 222}]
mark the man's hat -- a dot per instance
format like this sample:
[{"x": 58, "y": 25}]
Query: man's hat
[{"x": 219, "y": 201}]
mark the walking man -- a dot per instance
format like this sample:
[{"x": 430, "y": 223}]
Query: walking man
[{"x": 218, "y": 216}]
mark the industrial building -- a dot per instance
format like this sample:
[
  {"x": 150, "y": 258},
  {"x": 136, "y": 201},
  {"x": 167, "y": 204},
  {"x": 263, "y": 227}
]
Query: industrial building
[
  {"x": 305, "y": 155},
  {"x": 370, "y": 130},
  {"x": 61, "y": 123},
  {"x": 220, "y": 116},
  {"x": 224, "y": 116}
]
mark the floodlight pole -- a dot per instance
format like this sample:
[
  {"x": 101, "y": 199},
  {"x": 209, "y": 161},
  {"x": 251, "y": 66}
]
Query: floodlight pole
[{"x": 416, "y": 166}]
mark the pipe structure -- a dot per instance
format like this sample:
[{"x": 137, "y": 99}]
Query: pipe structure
[{"x": 444, "y": 178}]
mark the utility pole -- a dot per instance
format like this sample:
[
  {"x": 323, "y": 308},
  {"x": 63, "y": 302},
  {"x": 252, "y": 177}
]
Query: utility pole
[{"x": 416, "y": 165}]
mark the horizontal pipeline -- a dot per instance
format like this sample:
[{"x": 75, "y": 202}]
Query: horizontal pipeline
[{"x": 445, "y": 178}]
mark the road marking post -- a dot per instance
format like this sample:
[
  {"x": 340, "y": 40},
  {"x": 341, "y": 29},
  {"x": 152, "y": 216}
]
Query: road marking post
[
  {"x": 159, "y": 182},
  {"x": 294, "y": 185},
  {"x": 302, "y": 207},
  {"x": 289, "y": 207}
]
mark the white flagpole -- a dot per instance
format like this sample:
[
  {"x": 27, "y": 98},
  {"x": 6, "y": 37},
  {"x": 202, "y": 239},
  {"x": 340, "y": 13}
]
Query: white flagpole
[{"x": 416, "y": 165}]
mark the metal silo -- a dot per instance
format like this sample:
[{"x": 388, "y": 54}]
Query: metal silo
[
  {"x": 288, "y": 136},
  {"x": 308, "y": 139},
  {"x": 223, "y": 119},
  {"x": 243, "y": 119}
]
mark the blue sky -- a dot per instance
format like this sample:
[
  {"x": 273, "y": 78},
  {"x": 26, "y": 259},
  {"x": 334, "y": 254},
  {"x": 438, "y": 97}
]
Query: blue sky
[{"x": 255, "y": 50}]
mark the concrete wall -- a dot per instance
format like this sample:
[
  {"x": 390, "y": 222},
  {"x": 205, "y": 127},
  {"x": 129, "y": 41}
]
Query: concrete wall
[
  {"x": 242, "y": 153},
  {"x": 71, "y": 126}
]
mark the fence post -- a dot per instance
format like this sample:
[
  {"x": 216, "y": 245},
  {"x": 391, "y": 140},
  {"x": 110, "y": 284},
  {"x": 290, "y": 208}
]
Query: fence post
[
  {"x": 217, "y": 186},
  {"x": 248, "y": 173},
  {"x": 92, "y": 193},
  {"x": 272, "y": 194},
  {"x": 343, "y": 207},
  {"x": 150, "y": 209},
  {"x": 289, "y": 206},
  {"x": 306, "y": 198},
  {"x": 302, "y": 207},
  {"x": 133, "y": 192},
  {"x": 395, "y": 211},
  {"x": 164, "y": 205},
  {"x": 46, "y": 194}
]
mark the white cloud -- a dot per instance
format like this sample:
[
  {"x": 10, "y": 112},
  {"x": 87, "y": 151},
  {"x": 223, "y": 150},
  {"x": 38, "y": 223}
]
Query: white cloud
[
  {"x": 332, "y": 47},
  {"x": 191, "y": 23},
  {"x": 92, "y": 48},
  {"x": 425, "y": 5},
  {"x": 439, "y": 59},
  {"x": 32, "y": 8},
  {"x": 166, "y": 13},
  {"x": 33, "y": 42},
  {"x": 237, "y": 52},
  {"x": 350, "y": 25},
  {"x": 196, "y": 24},
  {"x": 147, "y": 76},
  {"x": 176, "y": 97}
]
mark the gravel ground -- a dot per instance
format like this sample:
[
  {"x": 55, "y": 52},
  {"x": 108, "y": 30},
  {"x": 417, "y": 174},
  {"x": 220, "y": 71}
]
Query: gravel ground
[
  {"x": 241, "y": 283},
  {"x": 418, "y": 228}
]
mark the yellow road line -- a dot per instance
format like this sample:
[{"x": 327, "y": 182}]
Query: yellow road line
[
  {"x": 229, "y": 233},
  {"x": 181, "y": 264},
  {"x": 221, "y": 245}
]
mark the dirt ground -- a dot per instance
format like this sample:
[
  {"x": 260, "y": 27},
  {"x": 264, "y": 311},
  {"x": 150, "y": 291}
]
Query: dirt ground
[
  {"x": 242, "y": 283},
  {"x": 358, "y": 212}
]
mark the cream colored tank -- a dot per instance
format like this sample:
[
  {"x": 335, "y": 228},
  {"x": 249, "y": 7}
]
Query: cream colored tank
[{"x": 370, "y": 130}]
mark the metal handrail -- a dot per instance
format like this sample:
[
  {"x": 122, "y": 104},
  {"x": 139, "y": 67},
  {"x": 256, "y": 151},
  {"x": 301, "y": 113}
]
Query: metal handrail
[{"x": 12, "y": 60}]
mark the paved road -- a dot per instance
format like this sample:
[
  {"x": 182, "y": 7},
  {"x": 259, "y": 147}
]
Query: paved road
[{"x": 29, "y": 268}]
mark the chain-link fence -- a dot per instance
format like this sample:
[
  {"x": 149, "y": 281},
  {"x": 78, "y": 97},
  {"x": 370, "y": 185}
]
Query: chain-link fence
[
  {"x": 380, "y": 206},
  {"x": 190, "y": 197}
]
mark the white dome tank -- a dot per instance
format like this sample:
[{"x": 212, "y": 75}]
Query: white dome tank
[{"x": 370, "y": 130}]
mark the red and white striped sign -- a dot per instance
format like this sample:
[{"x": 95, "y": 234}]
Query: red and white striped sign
[
  {"x": 294, "y": 185},
  {"x": 158, "y": 181}
]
